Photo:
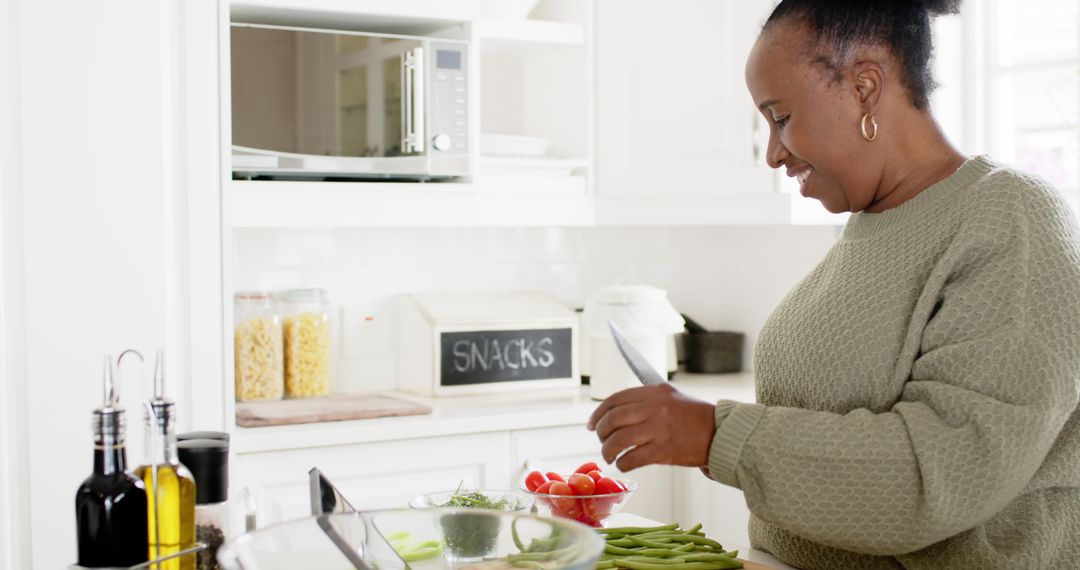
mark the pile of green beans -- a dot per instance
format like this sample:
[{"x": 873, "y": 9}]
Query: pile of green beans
[
  {"x": 664, "y": 547},
  {"x": 544, "y": 553}
]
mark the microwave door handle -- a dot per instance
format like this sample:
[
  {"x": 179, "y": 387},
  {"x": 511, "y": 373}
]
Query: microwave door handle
[
  {"x": 419, "y": 104},
  {"x": 412, "y": 101},
  {"x": 406, "y": 103}
]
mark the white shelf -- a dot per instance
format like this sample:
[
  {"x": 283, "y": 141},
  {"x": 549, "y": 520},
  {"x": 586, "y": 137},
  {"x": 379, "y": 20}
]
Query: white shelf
[{"x": 531, "y": 31}]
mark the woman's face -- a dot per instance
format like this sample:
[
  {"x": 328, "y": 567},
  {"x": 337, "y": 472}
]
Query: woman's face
[{"x": 813, "y": 124}]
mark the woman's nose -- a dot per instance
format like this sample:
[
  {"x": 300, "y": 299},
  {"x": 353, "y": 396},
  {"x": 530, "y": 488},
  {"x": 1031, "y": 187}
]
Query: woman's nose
[{"x": 776, "y": 153}]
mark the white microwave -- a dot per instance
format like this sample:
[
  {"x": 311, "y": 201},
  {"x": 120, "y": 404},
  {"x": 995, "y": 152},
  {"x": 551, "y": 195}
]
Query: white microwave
[{"x": 317, "y": 104}]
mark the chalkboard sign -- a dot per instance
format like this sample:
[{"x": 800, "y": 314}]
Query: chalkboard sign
[{"x": 479, "y": 357}]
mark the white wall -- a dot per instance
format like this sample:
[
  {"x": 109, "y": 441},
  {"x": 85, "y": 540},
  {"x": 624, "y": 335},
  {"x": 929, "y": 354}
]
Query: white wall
[
  {"x": 14, "y": 515},
  {"x": 725, "y": 277},
  {"x": 96, "y": 181}
]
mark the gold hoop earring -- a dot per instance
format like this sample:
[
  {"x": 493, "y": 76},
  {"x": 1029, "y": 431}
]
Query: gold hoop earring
[{"x": 873, "y": 122}]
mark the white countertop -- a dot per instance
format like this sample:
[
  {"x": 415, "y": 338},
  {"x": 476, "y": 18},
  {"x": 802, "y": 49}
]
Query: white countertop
[{"x": 459, "y": 415}]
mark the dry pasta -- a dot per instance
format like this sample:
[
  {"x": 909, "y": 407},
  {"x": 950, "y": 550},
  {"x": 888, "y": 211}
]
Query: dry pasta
[
  {"x": 307, "y": 355},
  {"x": 259, "y": 360}
]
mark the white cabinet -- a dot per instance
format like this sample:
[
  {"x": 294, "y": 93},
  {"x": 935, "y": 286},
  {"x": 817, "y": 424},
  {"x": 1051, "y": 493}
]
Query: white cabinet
[
  {"x": 563, "y": 449},
  {"x": 720, "y": 509},
  {"x": 373, "y": 475},
  {"x": 673, "y": 113}
]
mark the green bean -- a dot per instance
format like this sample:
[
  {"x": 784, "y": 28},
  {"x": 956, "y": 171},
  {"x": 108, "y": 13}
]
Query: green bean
[
  {"x": 653, "y": 560},
  {"x": 624, "y": 542},
  {"x": 514, "y": 534},
  {"x": 702, "y": 540},
  {"x": 649, "y": 543},
  {"x": 637, "y": 529},
  {"x": 608, "y": 548},
  {"x": 605, "y": 565},
  {"x": 719, "y": 565},
  {"x": 528, "y": 564},
  {"x": 708, "y": 557},
  {"x": 696, "y": 528}
]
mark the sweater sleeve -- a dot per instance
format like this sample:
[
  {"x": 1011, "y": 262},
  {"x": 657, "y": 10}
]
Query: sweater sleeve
[{"x": 993, "y": 380}]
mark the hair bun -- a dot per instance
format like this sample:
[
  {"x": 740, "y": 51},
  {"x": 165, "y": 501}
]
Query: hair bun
[{"x": 940, "y": 7}]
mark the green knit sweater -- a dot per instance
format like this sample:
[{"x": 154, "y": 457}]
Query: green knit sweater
[{"x": 917, "y": 391}]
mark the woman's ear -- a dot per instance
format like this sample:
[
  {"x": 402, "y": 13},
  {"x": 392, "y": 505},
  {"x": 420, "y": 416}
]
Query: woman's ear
[{"x": 868, "y": 79}]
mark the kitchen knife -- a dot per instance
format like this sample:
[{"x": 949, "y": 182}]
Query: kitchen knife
[{"x": 638, "y": 364}]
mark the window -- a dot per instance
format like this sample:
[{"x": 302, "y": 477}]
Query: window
[{"x": 1010, "y": 76}]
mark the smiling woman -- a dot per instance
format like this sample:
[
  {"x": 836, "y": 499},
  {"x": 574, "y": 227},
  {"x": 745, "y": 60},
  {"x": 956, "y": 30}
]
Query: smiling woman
[{"x": 917, "y": 394}]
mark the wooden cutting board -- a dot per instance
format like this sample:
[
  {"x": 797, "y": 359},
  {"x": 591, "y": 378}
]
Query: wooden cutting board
[
  {"x": 748, "y": 565},
  {"x": 328, "y": 409}
]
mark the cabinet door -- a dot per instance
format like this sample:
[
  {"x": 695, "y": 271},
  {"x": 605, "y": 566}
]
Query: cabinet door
[
  {"x": 373, "y": 475},
  {"x": 563, "y": 449},
  {"x": 673, "y": 113},
  {"x": 720, "y": 509}
]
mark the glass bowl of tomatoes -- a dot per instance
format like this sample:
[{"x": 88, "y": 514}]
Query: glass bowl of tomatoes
[{"x": 586, "y": 495}]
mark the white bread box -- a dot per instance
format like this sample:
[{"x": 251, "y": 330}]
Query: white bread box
[{"x": 478, "y": 343}]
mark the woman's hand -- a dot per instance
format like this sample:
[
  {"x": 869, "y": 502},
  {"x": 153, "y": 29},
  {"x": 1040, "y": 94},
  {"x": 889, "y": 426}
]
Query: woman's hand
[{"x": 661, "y": 424}]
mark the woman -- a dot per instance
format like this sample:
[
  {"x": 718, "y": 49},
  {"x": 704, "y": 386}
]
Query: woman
[{"x": 917, "y": 391}]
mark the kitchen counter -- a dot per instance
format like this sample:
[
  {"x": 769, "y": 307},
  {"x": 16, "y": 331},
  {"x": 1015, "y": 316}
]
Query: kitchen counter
[
  {"x": 745, "y": 552},
  {"x": 459, "y": 415}
]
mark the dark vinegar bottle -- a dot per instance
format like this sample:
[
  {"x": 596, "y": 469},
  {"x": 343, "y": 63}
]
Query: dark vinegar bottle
[{"x": 110, "y": 505}]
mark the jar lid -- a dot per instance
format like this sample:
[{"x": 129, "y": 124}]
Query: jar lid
[
  {"x": 208, "y": 461},
  {"x": 303, "y": 295},
  {"x": 218, "y": 435},
  {"x": 252, "y": 296}
]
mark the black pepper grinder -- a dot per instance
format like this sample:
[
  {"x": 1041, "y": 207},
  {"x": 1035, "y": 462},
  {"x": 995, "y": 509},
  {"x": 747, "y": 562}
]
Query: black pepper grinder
[
  {"x": 208, "y": 461},
  {"x": 110, "y": 505}
]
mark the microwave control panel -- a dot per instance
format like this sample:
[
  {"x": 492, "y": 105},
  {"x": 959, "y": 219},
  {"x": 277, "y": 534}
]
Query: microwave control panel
[{"x": 448, "y": 73}]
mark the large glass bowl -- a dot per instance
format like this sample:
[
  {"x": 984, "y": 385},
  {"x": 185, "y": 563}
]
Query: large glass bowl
[
  {"x": 591, "y": 510},
  {"x": 363, "y": 541}
]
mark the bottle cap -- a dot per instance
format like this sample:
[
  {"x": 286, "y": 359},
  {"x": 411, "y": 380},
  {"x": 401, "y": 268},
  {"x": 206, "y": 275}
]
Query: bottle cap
[
  {"x": 208, "y": 461},
  {"x": 218, "y": 435}
]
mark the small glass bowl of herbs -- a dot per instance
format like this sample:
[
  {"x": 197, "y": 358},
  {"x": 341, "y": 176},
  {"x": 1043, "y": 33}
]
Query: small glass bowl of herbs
[{"x": 469, "y": 536}]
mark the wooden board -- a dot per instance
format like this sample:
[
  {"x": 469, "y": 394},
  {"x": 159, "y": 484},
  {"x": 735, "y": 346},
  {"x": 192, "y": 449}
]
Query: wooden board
[
  {"x": 328, "y": 409},
  {"x": 748, "y": 565}
]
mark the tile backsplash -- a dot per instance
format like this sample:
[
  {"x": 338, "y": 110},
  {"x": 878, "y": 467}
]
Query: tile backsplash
[{"x": 727, "y": 278}]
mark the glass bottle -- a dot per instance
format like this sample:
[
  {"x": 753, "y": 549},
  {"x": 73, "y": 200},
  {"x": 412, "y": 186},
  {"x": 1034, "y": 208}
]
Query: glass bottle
[
  {"x": 110, "y": 505},
  {"x": 257, "y": 347},
  {"x": 208, "y": 460},
  {"x": 170, "y": 487},
  {"x": 306, "y": 332}
]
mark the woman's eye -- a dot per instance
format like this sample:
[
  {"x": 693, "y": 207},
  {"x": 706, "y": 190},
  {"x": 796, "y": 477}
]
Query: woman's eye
[{"x": 782, "y": 121}]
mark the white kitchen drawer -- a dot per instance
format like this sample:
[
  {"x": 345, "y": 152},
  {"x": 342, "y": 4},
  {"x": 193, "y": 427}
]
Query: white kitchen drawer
[{"x": 373, "y": 475}]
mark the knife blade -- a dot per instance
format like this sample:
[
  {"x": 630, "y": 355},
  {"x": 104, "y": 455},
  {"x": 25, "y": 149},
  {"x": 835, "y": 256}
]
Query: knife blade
[{"x": 638, "y": 364}]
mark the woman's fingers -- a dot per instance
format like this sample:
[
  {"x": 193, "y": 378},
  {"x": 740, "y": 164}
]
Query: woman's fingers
[
  {"x": 639, "y": 456},
  {"x": 622, "y": 439},
  {"x": 615, "y": 400},
  {"x": 623, "y": 416}
]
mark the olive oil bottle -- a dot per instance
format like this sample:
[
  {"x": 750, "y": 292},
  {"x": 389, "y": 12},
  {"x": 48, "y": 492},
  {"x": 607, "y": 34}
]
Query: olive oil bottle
[
  {"x": 110, "y": 505},
  {"x": 170, "y": 488}
]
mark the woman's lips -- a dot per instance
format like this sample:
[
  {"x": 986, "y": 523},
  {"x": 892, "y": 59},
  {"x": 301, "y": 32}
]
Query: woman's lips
[{"x": 802, "y": 177}]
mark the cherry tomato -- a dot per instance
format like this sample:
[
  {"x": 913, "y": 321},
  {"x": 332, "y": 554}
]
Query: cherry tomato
[
  {"x": 596, "y": 475},
  {"x": 586, "y": 467},
  {"x": 544, "y": 488},
  {"x": 596, "y": 509},
  {"x": 534, "y": 480},
  {"x": 606, "y": 486},
  {"x": 581, "y": 484},
  {"x": 553, "y": 476},
  {"x": 570, "y": 507}
]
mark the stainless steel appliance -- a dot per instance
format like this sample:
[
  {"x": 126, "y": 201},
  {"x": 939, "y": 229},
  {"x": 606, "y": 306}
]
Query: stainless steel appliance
[{"x": 314, "y": 103}]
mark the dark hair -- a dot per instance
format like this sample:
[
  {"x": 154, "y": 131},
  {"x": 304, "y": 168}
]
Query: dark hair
[{"x": 903, "y": 26}]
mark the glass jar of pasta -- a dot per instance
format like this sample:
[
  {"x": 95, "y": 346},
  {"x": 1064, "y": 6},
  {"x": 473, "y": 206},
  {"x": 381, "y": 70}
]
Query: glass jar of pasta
[
  {"x": 306, "y": 326},
  {"x": 258, "y": 347}
]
